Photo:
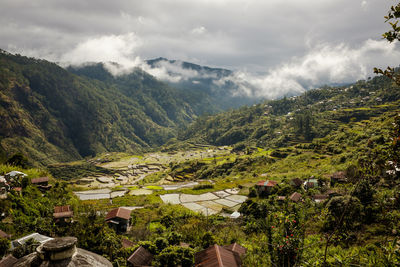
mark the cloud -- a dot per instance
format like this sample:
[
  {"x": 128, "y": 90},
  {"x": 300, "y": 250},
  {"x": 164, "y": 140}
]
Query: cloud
[
  {"x": 108, "y": 49},
  {"x": 234, "y": 34},
  {"x": 364, "y": 4},
  {"x": 323, "y": 64}
]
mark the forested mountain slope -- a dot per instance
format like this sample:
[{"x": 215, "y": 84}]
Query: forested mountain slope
[
  {"x": 292, "y": 120},
  {"x": 50, "y": 114},
  {"x": 213, "y": 83}
]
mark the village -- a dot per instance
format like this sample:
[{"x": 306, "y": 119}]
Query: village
[{"x": 226, "y": 202}]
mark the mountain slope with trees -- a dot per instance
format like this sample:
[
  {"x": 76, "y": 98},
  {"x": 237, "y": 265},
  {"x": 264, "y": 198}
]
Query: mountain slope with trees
[{"x": 50, "y": 114}]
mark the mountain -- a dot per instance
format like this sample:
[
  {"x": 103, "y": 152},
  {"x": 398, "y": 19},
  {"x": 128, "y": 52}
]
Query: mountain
[
  {"x": 286, "y": 121},
  {"x": 51, "y": 114},
  {"x": 211, "y": 81}
]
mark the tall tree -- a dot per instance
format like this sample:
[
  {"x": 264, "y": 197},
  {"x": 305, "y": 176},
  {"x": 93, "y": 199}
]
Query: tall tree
[{"x": 391, "y": 36}]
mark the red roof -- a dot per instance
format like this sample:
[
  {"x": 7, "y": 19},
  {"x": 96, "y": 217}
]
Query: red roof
[
  {"x": 62, "y": 212},
  {"x": 267, "y": 183},
  {"x": 119, "y": 213},
  {"x": 19, "y": 189},
  {"x": 217, "y": 256},
  {"x": 141, "y": 257},
  {"x": 40, "y": 180},
  {"x": 236, "y": 248}
]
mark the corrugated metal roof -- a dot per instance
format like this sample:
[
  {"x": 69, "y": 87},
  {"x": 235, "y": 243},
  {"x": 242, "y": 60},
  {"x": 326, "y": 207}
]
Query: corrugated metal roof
[
  {"x": 295, "y": 197},
  {"x": 40, "y": 180},
  {"x": 217, "y": 256},
  {"x": 62, "y": 212},
  {"x": 141, "y": 257},
  {"x": 119, "y": 213}
]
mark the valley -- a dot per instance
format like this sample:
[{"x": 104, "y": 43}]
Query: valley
[{"x": 311, "y": 179}]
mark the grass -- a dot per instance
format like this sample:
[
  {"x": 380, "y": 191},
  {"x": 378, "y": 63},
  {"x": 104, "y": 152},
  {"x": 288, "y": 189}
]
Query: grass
[{"x": 154, "y": 187}]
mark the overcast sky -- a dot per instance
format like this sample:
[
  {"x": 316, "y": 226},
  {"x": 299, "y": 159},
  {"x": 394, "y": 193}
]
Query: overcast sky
[{"x": 293, "y": 43}]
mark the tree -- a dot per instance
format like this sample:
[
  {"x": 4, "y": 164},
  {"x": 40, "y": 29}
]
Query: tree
[{"x": 391, "y": 36}]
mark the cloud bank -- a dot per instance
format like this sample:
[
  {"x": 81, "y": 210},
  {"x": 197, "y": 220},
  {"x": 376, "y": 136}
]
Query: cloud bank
[{"x": 323, "y": 64}]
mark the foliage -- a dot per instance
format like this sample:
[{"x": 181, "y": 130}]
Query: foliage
[{"x": 391, "y": 36}]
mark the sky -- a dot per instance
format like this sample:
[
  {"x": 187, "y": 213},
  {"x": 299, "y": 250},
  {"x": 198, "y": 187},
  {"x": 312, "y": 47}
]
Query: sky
[{"x": 274, "y": 47}]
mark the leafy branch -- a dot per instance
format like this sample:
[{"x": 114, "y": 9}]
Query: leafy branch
[{"x": 391, "y": 36}]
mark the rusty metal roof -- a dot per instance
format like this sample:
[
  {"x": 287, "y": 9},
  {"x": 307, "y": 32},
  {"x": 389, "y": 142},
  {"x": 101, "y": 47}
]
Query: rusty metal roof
[
  {"x": 270, "y": 183},
  {"x": 40, "y": 180},
  {"x": 295, "y": 197},
  {"x": 217, "y": 256},
  {"x": 119, "y": 213},
  {"x": 141, "y": 257},
  {"x": 62, "y": 212}
]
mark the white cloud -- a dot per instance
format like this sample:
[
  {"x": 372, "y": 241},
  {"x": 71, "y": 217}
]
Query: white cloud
[
  {"x": 199, "y": 30},
  {"x": 324, "y": 64},
  {"x": 109, "y": 48},
  {"x": 364, "y": 4}
]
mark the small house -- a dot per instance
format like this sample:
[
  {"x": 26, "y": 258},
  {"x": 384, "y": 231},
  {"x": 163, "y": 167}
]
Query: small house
[
  {"x": 296, "y": 182},
  {"x": 295, "y": 197},
  {"x": 217, "y": 256},
  {"x": 320, "y": 198},
  {"x": 311, "y": 183},
  {"x": 62, "y": 213},
  {"x": 281, "y": 198},
  {"x": 338, "y": 177},
  {"x": 141, "y": 257},
  {"x": 265, "y": 187},
  {"x": 14, "y": 178},
  {"x": 119, "y": 219},
  {"x": 41, "y": 183}
]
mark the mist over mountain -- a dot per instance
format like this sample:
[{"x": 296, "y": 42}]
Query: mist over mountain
[{"x": 214, "y": 82}]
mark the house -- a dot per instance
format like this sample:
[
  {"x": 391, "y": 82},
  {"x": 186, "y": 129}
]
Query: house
[
  {"x": 4, "y": 235},
  {"x": 38, "y": 237},
  {"x": 333, "y": 193},
  {"x": 14, "y": 177},
  {"x": 217, "y": 256},
  {"x": 265, "y": 187},
  {"x": 41, "y": 182},
  {"x": 126, "y": 243},
  {"x": 8, "y": 261},
  {"x": 141, "y": 257},
  {"x": 310, "y": 183},
  {"x": 295, "y": 197},
  {"x": 320, "y": 198},
  {"x": 338, "y": 177},
  {"x": 281, "y": 198},
  {"x": 296, "y": 182},
  {"x": 62, "y": 213},
  {"x": 119, "y": 219}
]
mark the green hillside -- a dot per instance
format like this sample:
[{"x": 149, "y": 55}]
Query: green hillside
[
  {"x": 52, "y": 115},
  {"x": 293, "y": 120}
]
